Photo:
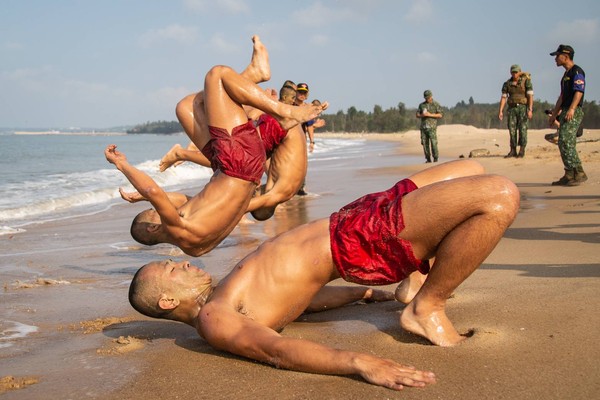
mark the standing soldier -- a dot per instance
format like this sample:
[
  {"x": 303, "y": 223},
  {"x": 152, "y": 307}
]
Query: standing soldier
[
  {"x": 570, "y": 114},
  {"x": 518, "y": 92},
  {"x": 429, "y": 111}
]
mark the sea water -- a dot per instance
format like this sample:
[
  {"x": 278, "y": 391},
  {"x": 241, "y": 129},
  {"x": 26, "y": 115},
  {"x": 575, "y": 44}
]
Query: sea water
[{"x": 47, "y": 177}]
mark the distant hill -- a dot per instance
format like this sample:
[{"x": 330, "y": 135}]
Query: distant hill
[{"x": 160, "y": 127}]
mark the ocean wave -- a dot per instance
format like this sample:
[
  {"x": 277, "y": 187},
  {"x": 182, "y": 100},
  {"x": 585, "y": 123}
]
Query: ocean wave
[
  {"x": 57, "y": 195},
  {"x": 80, "y": 185}
]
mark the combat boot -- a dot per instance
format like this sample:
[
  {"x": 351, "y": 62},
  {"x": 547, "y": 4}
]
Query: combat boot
[
  {"x": 521, "y": 152},
  {"x": 512, "y": 153},
  {"x": 567, "y": 177},
  {"x": 579, "y": 177}
]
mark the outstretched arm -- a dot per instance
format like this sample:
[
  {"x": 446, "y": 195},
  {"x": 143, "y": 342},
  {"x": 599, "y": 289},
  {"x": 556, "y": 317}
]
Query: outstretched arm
[
  {"x": 145, "y": 186},
  {"x": 177, "y": 199},
  {"x": 226, "y": 329},
  {"x": 337, "y": 296}
]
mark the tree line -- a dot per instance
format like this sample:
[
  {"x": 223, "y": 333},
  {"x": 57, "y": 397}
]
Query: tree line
[
  {"x": 401, "y": 118},
  {"x": 479, "y": 115},
  {"x": 164, "y": 127}
]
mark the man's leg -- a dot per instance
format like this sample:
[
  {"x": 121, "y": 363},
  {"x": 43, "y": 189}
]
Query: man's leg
[
  {"x": 459, "y": 222},
  {"x": 434, "y": 144},
  {"x": 425, "y": 144},
  {"x": 178, "y": 154},
  {"x": 446, "y": 171},
  {"x": 512, "y": 132},
  {"x": 522, "y": 128},
  {"x": 230, "y": 90},
  {"x": 190, "y": 110}
]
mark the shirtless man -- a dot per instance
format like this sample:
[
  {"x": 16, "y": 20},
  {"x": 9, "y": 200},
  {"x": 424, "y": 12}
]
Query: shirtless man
[
  {"x": 286, "y": 165},
  {"x": 286, "y": 155},
  {"x": 230, "y": 141},
  {"x": 273, "y": 285}
]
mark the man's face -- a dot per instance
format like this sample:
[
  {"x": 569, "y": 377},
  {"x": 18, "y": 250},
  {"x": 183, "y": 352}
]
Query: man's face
[
  {"x": 301, "y": 96},
  {"x": 289, "y": 99},
  {"x": 429, "y": 99},
  {"x": 560, "y": 59},
  {"x": 177, "y": 276}
]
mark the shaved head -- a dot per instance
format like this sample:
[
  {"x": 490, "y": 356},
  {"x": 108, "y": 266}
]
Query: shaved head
[{"x": 139, "y": 228}]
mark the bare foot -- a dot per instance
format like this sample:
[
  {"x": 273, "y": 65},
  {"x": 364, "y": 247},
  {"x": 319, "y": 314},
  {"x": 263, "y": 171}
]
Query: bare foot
[
  {"x": 259, "y": 69},
  {"x": 409, "y": 287},
  {"x": 433, "y": 326},
  {"x": 298, "y": 115},
  {"x": 170, "y": 158}
]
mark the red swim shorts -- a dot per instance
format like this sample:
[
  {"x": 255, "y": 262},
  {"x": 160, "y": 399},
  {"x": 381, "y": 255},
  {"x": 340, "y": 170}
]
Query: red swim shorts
[
  {"x": 271, "y": 133},
  {"x": 239, "y": 155},
  {"x": 364, "y": 239}
]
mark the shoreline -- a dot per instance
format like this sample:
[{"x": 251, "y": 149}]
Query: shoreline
[{"x": 519, "y": 303}]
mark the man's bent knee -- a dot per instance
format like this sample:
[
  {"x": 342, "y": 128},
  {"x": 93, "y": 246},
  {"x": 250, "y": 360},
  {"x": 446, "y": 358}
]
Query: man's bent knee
[
  {"x": 216, "y": 72},
  {"x": 504, "y": 197}
]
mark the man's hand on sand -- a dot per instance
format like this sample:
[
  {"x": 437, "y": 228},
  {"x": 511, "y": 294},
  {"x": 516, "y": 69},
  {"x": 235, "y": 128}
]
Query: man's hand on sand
[{"x": 390, "y": 374}]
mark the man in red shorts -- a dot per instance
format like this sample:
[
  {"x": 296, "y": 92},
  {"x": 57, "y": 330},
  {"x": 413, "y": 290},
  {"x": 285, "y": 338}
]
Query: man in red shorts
[
  {"x": 231, "y": 143},
  {"x": 451, "y": 213},
  {"x": 285, "y": 151}
]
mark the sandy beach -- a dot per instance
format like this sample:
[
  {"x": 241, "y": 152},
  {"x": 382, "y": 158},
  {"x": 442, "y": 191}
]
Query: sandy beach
[{"x": 532, "y": 306}]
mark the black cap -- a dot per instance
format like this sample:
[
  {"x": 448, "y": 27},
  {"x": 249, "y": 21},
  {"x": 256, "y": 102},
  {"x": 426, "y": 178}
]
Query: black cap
[
  {"x": 302, "y": 87},
  {"x": 564, "y": 49}
]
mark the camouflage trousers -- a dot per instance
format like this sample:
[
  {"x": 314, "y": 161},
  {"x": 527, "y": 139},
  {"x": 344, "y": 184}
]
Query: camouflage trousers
[
  {"x": 429, "y": 142},
  {"x": 567, "y": 138},
  {"x": 517, "y": 125}
]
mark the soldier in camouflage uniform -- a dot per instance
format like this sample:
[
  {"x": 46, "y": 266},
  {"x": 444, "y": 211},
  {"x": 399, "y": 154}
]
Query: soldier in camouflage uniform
[
  {"x": 570, "y": 114},
  {"x": 429, "y": 111},
  {"x": 518, "y": 93}
]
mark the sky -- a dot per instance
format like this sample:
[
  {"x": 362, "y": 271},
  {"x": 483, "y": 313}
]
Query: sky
[{"x": 102, "y": 64}]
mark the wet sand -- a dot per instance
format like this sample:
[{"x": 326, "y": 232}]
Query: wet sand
[{"x": 532, "y": 304}]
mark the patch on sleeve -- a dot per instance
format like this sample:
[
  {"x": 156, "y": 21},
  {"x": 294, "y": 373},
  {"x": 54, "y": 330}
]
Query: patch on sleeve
[{"x": 579, "y": 83}]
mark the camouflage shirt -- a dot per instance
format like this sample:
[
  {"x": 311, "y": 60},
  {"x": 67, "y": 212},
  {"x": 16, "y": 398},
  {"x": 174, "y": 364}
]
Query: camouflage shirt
[{"x": 432, "y": 108}]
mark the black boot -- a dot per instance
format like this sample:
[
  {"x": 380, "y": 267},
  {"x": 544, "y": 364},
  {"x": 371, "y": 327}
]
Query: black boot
[
  {"x": 521, "y": 152},
  {"x": 579, "y": 177},
  {"x": 569, "y": 176},
  {"x": 513, "y": 152}
]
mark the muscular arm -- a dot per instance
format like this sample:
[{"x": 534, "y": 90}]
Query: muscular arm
[
  {"x": 177, "y": 199},
  {"x": 330, "y": 297},
  {"x": 228, "y": 330}
]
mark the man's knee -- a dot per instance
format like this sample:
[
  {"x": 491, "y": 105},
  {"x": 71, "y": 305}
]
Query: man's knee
[
  {"x": 185, "y": 107},
  {"x": 504, "y": 198},
  {"x": 216, "y": 73}
]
